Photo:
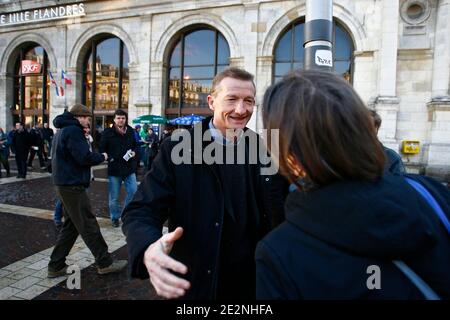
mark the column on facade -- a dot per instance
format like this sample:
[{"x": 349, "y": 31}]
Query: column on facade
[
  {"x": 72, "y": 91},
  {"x": 252, "y": 28},
  {"x": 59, "y": 103},
  {"x": 364, "y": 74},
  {"x": 157, "y": 89},
  {"x": 6, "y": 92},
  {"x": 140, "y": 101},
  {"x": 264, "y": 69},
  {"x": 439, "y": 106},
  {"x": 386, "y": 102}
]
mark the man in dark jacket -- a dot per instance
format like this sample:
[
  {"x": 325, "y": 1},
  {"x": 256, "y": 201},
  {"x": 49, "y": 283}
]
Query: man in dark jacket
[
  {"x": 152, "y": 141},
  {"x": 71, "y": 164},
  {"x": 21, "y": 143},
  {"x": 48, "y": 138},
  {"x": 37, "y": 147},
  {"x": 120, "y": 145},
  {"x": 217, "y": 212}
]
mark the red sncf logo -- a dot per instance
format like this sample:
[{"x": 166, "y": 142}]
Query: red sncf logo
[{"x": 30, "y": 67}]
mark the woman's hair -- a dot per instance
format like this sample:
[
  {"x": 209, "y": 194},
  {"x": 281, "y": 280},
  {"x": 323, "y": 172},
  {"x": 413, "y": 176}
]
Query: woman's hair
[{"x": 325, "y": 126}]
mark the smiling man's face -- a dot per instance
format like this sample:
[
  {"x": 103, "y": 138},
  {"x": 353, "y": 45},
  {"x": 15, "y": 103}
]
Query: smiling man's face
[{"x": 232, "y": 102}]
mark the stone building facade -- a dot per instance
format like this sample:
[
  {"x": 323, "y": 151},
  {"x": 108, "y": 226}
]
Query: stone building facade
[{"x": 399, "y": 60}]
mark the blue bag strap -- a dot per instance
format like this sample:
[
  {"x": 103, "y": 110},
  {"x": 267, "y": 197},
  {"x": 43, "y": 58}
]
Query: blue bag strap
[
  {"x": 423, "y": 287},
  {"x": 431, "y": 201},
  {"x": 428, "y": 293}
]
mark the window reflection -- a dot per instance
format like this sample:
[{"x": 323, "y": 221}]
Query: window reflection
[
  {"x": 289, "y": 52},
  {"x": 111, "y": 75},
  {"x": 30, "y": 88},
  {"x": 196, "y": 58}
]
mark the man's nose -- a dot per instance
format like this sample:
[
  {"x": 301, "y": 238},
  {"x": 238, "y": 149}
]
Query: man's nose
[{"x": 240, "y": 108}]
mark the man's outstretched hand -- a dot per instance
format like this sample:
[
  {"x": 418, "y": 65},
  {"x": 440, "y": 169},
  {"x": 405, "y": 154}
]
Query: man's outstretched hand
[{"x": 159, "y": 264}]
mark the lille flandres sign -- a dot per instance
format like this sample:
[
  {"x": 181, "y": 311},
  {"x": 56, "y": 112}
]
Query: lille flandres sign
[{"x": 43, "y": 14}]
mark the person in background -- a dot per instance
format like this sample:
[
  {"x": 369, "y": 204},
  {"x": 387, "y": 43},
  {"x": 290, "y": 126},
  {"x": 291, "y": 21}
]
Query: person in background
[
  {"x": 166, "y": 134},
  {"x": 71, "y": 162},
  {"x": 58, "y": 213},
  {"x": 394, "y": 163},
  {"x": 348, "y": 213},
  {"x": 90, "y": 142},
  {"x": 144, "y": 146},
  {"x": 37, "y": 147},
  {"x": 139, "y": 151},
  {"x": 10, "y": 137},
  {"x": 47, "y": 133},
  {"x": 120, "y": 145},
  {"x": 152, "y": 141},
  {"x": 21, "y": 143},
  {"x": 4, "y": 153}
]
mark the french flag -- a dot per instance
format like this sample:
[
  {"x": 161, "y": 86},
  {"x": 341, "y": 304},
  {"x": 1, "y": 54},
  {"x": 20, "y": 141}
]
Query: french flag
[
  {"x": 53, "y": 82},
  {"x": 64, "y": 78}
]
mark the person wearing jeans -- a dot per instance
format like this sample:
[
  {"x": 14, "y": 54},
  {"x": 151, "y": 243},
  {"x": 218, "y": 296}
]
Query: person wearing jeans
[
  {"x": 120, "y": 145},
  {"x": 115, "y": 183},
  {"x": 58, "y": 214}
]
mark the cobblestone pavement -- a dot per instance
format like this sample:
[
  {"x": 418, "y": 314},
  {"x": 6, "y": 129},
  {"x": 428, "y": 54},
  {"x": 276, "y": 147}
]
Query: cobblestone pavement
[{"x": 28, "y": 237}]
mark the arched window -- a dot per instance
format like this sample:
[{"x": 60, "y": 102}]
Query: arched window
[
  {"x": 106, "y": 82},
  {"x": 31, "y": 86},
  {"x": 289, "y": 51},
  {"x": 197, "y": 56}
]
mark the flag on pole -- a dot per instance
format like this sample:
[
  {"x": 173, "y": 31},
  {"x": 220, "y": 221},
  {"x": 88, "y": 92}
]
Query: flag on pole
[
  {"x": 53, "y": 82},
  {"x": 64, "y": 77}
]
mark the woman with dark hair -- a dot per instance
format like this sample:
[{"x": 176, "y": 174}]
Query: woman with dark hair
[{"x": 352, "y": 230}]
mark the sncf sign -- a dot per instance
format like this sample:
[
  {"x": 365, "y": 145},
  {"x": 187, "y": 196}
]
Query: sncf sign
[{"x": 30, "y": 67}]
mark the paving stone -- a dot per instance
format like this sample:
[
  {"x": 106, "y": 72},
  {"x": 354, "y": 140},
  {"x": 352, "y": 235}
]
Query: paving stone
[
  {"x": 34, "y": 258},
  {"x": 22, "y": 273},
  {"x": 51, "y": 282},
  {"x": 39, "y": 265},
  {"x": 4, "y": 273},
  {"x": 7, "y": 292},
  {"x": 14, "y": 298},
  {"x": 16, "y": 266},
  {"x": 25, "y": 283},
  {"x": 47, "y": 252},
  {"x": 40, "y": 274},
  {"x": 5, "y": 282},
  {"x": 31, "y": 292},
  {"x": 78, "y": 256},
  {"x": 86, "y": 251}
]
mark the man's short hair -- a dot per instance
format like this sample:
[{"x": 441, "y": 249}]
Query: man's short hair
[
  {"x": 120, "y": 112},
  {"x": 234, "y": 73}
]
